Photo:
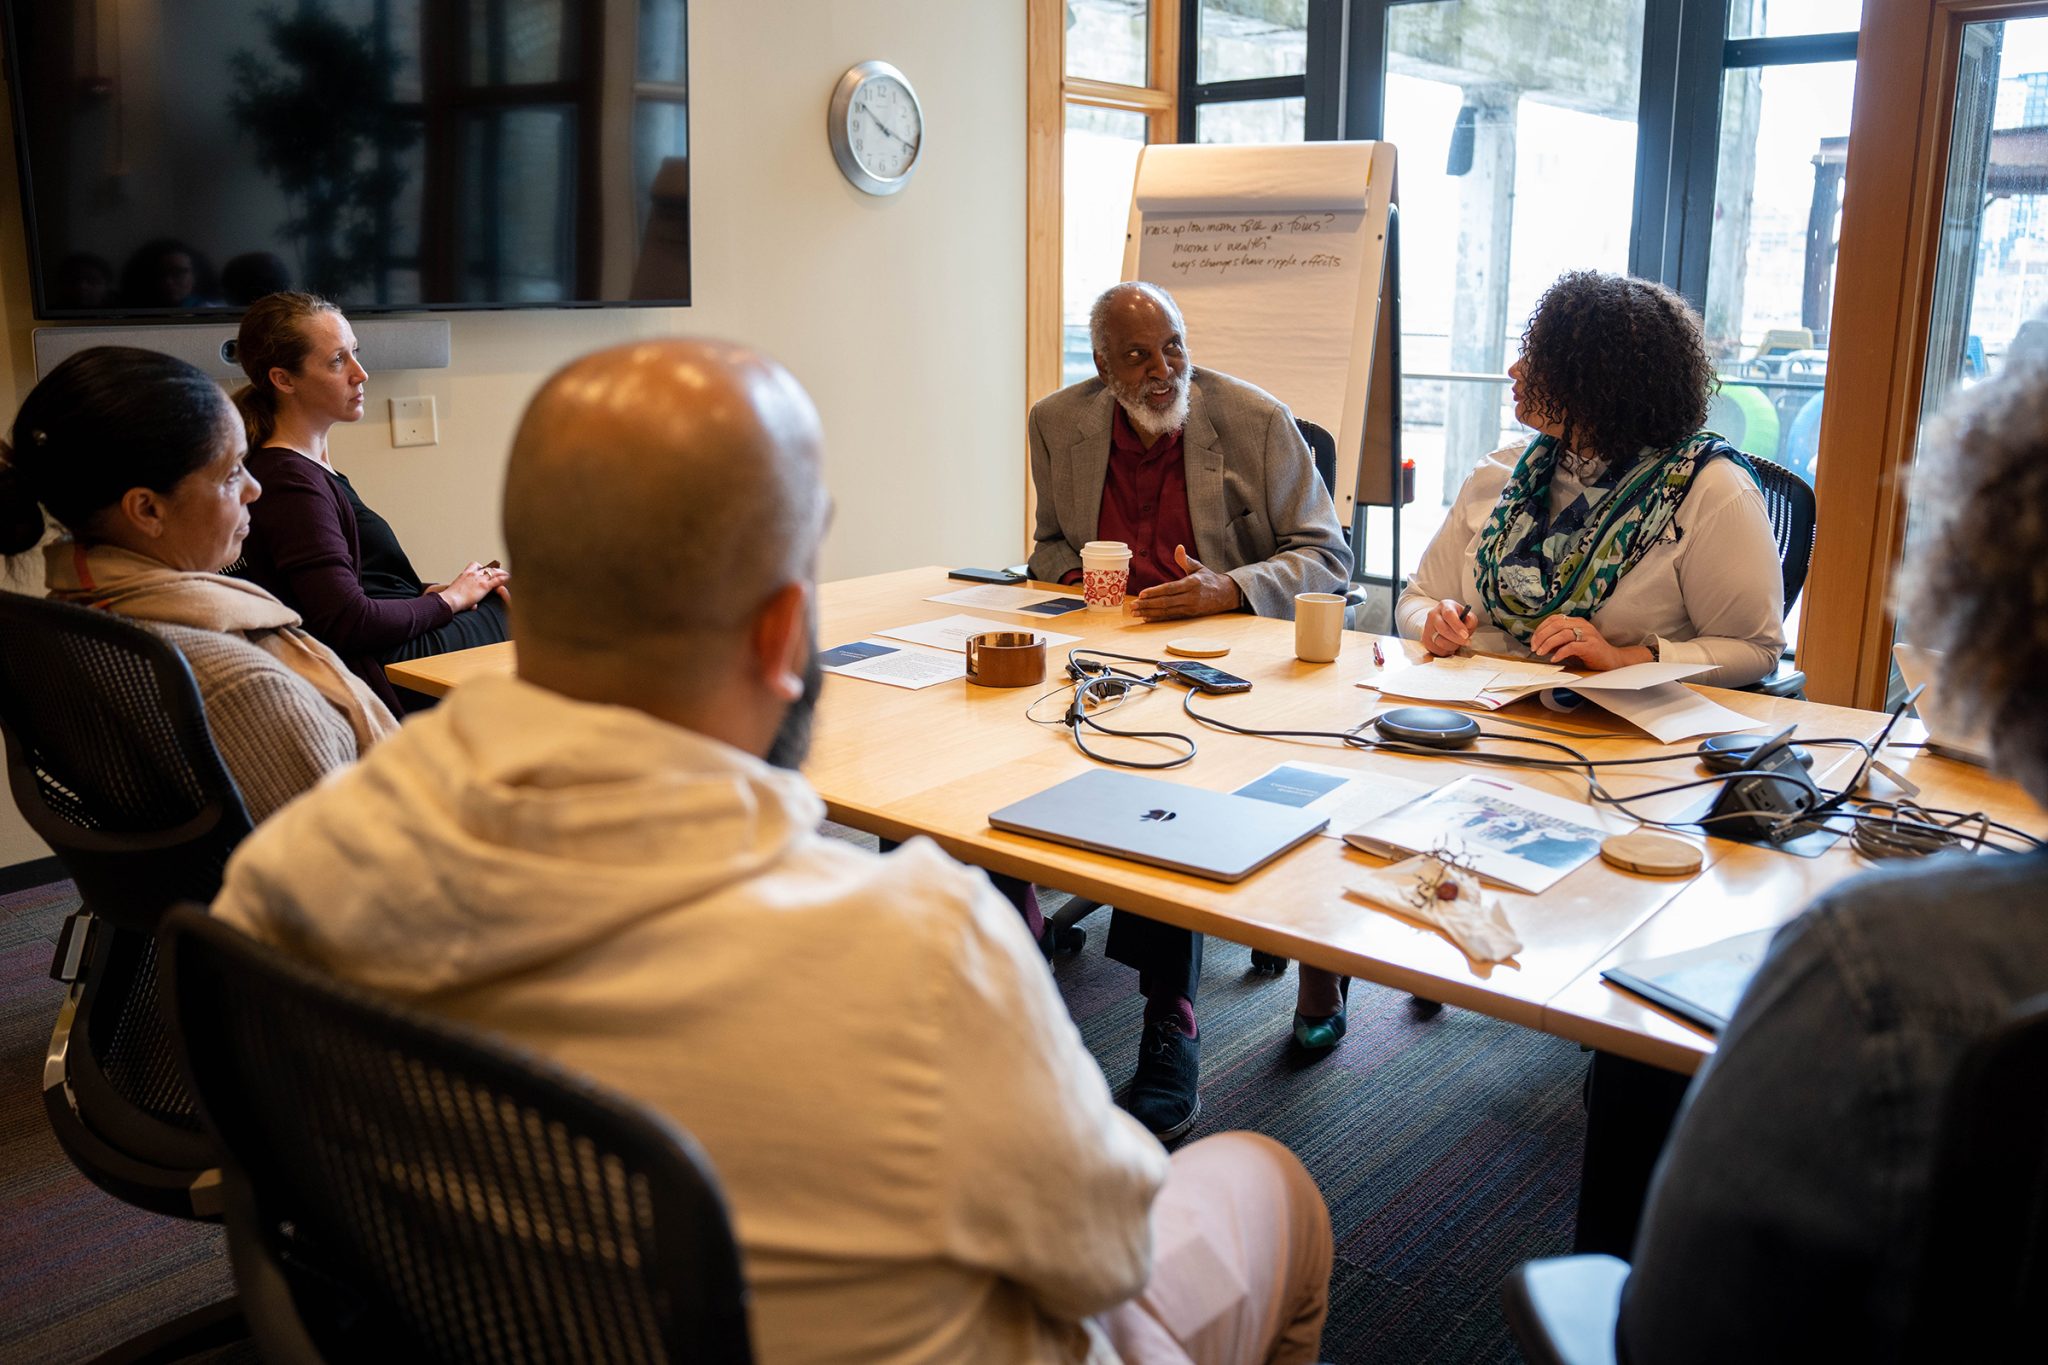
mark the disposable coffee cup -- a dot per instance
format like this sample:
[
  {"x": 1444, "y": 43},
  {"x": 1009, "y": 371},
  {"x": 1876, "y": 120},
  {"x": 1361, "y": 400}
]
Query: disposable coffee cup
[
  {"x": 1105, "y": 574},
  {"x": 1318, "y": 626}
]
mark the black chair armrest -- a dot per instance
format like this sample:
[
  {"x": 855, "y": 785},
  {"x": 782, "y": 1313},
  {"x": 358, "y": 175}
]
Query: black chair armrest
[
  {"x": 1786, "y": 680},
  {"x": 1563, "y": 1308}
]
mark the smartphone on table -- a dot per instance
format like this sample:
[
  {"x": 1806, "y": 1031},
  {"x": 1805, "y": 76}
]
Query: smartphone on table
[
  {"x": 987, "y": 576},
  {"x": 1204, "y": 677}
]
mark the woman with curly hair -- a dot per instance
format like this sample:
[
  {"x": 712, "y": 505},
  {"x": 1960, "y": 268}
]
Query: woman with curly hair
[{"x": 1621, "y": 534}]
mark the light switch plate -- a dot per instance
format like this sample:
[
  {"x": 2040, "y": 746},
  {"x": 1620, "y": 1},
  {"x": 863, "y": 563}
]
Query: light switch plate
[{"x": 413, "y": 422}]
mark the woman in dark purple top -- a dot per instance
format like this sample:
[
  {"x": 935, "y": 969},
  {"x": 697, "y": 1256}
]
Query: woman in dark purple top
[{"x": 315, "y": 545}]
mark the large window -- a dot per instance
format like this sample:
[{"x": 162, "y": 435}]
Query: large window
[{"x": 1516, "y": 133}]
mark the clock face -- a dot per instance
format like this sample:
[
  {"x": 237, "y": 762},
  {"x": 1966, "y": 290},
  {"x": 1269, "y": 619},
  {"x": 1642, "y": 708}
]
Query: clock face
[{"x": 885, "y": 128}]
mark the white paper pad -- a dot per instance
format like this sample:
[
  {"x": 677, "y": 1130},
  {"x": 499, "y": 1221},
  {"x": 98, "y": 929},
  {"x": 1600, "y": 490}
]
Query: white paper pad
[
  {"x": 1002, "y": 597},
  {"x": 895, "y": 663},
  {"x": 1356, "y": 798},
  {"x": 1672, "y": 711},
  {"x": 951, "y": 632}
]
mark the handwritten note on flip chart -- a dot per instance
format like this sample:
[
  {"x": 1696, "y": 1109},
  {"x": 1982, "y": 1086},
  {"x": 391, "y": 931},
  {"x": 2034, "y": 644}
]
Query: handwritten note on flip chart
[
  {"x": 1256, "y": 244},
  {"x": 1269, "y": 297}
]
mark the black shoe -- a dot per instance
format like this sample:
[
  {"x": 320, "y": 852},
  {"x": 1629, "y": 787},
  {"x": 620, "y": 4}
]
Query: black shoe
[
  {"x": 1425, "y": 1009},
  {"x": 1163, "y": 1094},
  {"x": 1060, "y": 940},
  {"x": 1266, "y": 964}
]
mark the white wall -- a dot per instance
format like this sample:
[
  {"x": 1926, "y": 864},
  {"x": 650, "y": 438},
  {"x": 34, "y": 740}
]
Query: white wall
[{"x": 904, "y": 316}]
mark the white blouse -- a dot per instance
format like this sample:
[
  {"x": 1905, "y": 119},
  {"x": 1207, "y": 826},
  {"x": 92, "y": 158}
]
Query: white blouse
[{"x": 1712, "y": 594}]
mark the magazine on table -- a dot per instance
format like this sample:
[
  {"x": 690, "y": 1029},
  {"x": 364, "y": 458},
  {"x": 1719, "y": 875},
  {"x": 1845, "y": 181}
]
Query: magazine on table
[{"x": 1523, "y": 839}]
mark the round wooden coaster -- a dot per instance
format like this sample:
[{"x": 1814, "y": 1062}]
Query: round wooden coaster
[
  {"x": 1195, "y": 647},
  {"x": 1653, "y": 854}
]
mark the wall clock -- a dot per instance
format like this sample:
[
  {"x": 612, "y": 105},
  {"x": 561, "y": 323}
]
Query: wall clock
[{"x": 876, "y": 127}]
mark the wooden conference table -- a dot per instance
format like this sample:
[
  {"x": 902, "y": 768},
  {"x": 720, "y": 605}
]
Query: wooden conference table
[{"x": 936, "y": 761}]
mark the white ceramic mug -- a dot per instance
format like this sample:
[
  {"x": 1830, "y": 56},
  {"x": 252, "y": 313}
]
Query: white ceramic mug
[
  {"x": 1105, "y": 574},
  {"x": 1318, "y": 626}
]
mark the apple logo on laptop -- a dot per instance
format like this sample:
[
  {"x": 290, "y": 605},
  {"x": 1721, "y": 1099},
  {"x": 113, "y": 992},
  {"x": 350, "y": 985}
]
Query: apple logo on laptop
[{"x": 1157, "y": 816}]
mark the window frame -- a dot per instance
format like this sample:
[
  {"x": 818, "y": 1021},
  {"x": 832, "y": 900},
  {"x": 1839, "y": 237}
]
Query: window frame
[{"x": 1892, "y": 210}]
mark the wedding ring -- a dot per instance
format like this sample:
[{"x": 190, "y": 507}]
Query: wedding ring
[{"x": 1578, "y": 634}]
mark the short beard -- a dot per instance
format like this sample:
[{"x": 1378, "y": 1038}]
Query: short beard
[
  {"x": 1147, "y": 422},
  {"x": 792, "y": 742}
]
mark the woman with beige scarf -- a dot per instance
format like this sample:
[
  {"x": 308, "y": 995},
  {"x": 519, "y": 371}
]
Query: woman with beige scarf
[{"x": 138, "y": 457}]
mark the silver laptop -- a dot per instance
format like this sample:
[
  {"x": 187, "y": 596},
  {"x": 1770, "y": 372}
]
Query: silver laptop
[
  {"x": 1946, "y": 734},
  {"x": 1203, "y": 833}
]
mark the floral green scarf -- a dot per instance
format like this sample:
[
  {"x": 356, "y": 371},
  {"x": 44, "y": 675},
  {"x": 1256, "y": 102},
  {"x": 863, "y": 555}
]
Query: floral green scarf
[{"x": 1532, "y": 566}]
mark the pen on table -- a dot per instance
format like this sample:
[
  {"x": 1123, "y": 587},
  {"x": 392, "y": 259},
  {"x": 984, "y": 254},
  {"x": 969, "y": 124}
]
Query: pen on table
[{"x": 1379, "y": 659}]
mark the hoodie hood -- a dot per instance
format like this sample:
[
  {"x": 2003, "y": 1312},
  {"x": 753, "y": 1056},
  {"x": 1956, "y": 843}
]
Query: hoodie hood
[{"x": 509, "y": 827}]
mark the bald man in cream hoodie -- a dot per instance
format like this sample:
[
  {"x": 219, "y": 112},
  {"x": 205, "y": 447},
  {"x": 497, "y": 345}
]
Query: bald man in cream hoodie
[{"x": 609, "y": 860}]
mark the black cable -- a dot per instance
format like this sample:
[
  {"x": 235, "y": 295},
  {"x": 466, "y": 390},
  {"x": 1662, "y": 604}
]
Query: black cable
[
  {"x": 1832, "y": 806},
  {"x": 1078, "y": 717}
]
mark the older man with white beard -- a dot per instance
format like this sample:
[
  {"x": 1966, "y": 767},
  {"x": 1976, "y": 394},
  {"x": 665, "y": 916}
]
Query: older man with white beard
[
  {"x": 1205, "y": 477},
  {"x": 1208, "y": 481}
]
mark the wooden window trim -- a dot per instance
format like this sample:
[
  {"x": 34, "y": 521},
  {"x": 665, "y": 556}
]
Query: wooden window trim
[
  {"x": 1884, "y": 295},
  {"x": 1048, "y": 91}
]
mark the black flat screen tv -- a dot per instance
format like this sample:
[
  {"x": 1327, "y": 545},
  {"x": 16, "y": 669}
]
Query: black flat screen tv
[{"x": 181, "y": 158}]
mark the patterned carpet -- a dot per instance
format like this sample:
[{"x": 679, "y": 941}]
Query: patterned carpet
[{"x": 1448, "y": 1149}]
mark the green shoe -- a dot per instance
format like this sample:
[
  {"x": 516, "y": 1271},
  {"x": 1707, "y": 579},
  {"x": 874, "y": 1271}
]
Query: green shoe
[{"x": 1318, "y": 1035}]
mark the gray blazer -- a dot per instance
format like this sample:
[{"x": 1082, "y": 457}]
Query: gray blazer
[{"x": 1259, "y": 511}]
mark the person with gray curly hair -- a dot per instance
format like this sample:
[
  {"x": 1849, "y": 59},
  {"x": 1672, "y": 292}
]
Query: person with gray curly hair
[{"x": 1785, "y": 1220}]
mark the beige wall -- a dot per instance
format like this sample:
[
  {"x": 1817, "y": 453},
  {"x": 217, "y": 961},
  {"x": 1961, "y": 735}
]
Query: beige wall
[{"x": 903, "y": 316}]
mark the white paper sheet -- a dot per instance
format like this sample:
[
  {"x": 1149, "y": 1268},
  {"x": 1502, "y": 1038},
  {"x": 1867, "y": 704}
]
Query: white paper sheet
[
  {"x": 1024, "y": 601},
  {"x": 1432, "y": 682},
  {"x": 1633, "y": 678},
  {"x": 952, "y": 632},
  {"x": 1672, "y": 711},
  {"x": 893, "y": 662},
  {"x": 1357, "y": 798}
]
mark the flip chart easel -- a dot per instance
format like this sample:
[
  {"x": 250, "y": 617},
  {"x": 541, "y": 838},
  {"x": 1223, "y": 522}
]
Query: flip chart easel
[{"x": 1283, "y": 260}]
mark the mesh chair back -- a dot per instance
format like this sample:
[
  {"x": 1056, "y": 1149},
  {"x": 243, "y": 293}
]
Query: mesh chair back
[
  {"x": 1323, "y": 446},
  {"x": 476, "y": 1204},
  {"x": 1788, "y": 499},
  {"x": 110, "y": 760},
  {"x": 1984, "y": 1263}
]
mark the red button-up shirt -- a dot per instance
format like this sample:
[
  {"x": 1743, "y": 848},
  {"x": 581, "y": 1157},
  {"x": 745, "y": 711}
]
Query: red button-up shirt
[{"x": 1145, "y": 504}]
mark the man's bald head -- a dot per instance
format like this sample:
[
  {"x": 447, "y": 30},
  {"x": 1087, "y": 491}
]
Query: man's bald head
[
  {"x": 662, "y": 490},
  {"x": 1131, "y": 301}
]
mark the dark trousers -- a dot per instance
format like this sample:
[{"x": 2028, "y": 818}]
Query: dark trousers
[
  {"x": 1168, "y": 958},
  {"x": 486, "y": 625},
  {"x": 1630, "y": 1110}
]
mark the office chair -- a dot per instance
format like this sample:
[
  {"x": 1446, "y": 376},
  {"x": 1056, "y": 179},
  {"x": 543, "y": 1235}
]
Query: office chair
[
  {"x": 111, "y": 763},
  {"x": 1323, "y": 446},
  {"x": 397, "y": 1187},
  {"x": 1789, "y": 501},
  {"x": 1983, "y": 1270}
]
